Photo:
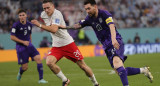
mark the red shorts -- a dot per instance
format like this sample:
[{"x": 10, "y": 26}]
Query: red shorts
[{"x": 69, "y": 51}]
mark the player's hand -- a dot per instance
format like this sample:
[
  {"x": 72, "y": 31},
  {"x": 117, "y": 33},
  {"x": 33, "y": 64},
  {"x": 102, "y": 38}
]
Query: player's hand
[
  {"x": 115, "y": 44},
  {"x": 77, "y": 26},
  {"x": 61, "y": 27},
  {"x": 35, "y": 22},
  {"x": 26, "y": 43}
]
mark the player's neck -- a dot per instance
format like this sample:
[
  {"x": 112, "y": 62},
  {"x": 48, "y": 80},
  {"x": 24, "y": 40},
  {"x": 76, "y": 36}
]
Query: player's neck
[
  {"x": 23, "y": 22},
  {"x": 96, "y": 13},
  {"x": 51, "y": 13}
]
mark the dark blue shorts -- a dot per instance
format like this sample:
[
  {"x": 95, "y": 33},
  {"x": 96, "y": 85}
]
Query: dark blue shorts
[
  {"x": 111, "y": 52},
  {"x": 24, "y": 52}
]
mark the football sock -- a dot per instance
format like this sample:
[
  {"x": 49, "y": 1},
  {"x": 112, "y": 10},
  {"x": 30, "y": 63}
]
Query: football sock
[
  {"x": 21, "y": 70},
  {"x": 93, "y": 79},
  {"x": 123, "y": 75},
  {"x": 142, "y": 70},
  {"x": 132, "y": 71},
  {"x": 61, "y": 76},
  {"x": 40, "y": 70}
]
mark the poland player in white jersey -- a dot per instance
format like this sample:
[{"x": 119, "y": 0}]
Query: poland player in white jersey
[
  {"x": 61, "y": 37},
  {"x": 63, "y": 44}
]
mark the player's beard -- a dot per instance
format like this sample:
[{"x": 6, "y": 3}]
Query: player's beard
[{"x": 92, "y": 14}]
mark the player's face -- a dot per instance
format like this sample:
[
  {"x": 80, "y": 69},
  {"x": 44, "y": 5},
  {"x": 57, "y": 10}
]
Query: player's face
[
  {"x": 91, "y": 10},
  {"x": 48, "y": 8},
  {"x": 22, "y": 17}
]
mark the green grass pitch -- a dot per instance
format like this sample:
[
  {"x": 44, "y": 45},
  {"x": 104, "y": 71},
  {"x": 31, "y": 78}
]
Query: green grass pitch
[{"x": 99, "y": 65}]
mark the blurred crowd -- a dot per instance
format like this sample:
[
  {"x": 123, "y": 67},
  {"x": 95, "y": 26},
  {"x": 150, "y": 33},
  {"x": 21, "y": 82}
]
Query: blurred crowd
[{"x": 126, "y": 13}]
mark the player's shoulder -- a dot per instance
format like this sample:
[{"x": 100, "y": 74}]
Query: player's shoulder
[
  {"x": 43, "y": 14},
  {"x": 15, "y": 24},
  {"x": 87, "y": 17},
  {"x": 104, "y": 12},
  {"x": 29, "y": 23},
  {"x": 57, "y": 12}
]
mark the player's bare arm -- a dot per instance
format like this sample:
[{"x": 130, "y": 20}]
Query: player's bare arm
[
  {"x": 14, "y": 38},
  {"x": 113, "y": 36},
  {"x": 52, "y": 28},
  {"x": 74, "y": 27}
]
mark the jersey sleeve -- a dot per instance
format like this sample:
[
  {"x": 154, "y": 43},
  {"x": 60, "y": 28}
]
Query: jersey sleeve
[
  {"x": 108, "y": 18},
  {"x": 84, "y": 23},
  {"x": 13, "y": 29}
]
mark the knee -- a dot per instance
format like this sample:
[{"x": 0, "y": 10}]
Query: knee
[
  {"x": 50, "y": 61},
  {"x": 24, "y": 68},
  {"x": 38, "y": 60}
]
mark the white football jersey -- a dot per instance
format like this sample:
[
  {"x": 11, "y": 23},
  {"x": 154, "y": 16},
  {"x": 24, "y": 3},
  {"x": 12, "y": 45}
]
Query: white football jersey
[{"x": 61, "y": 37}]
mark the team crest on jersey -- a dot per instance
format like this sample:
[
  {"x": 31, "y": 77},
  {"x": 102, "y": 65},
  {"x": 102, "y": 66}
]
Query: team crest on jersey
[
  {"x": 100, "y": 20},
  {"x": 21, "y": 28},
  {"x": 29, "y": 28},
  {"x": 57, "y": 21}
]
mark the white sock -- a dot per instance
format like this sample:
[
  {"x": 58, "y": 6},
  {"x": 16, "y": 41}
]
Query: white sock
[
  {"x": 93, "y": 79},
  {"x": 142, "y": 70},
  {"x": 61, "y": 76}
]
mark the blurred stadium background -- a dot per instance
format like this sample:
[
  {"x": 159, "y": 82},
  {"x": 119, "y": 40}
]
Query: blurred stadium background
[{"x": 138, "y": 21}]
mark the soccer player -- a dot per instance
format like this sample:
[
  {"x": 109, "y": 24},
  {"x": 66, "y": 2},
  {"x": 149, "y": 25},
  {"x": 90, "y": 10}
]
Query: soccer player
[
  {"x": 105, "y": 30},
  {"x": 63, "y": 43},
  {"x": 21, "y": 34}
]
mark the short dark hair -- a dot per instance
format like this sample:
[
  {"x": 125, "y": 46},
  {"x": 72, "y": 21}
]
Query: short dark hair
[
  {"x": 21, "y": 10},
  {"x": 46, "y": 1},
  {"x": 92, "y": 2}
]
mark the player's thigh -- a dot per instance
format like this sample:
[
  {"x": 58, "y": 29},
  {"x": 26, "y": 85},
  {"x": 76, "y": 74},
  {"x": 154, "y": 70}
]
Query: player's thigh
[
  {"x": 117, "y": 62},
  {"x": 51, "y": 60},
  {"x": 24, "y": 66},
  {"x": 23, "y": 57},
  {"x": 37, "y": 58},
  {"x": 34, "y": 54}
]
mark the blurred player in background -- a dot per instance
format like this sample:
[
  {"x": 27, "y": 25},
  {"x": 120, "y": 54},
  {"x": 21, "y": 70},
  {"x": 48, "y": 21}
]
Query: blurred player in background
[
  {"x": 63, "y": 43},
  {"x": 21, "y": 34},
  {"x": 102, "y": 23}
]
